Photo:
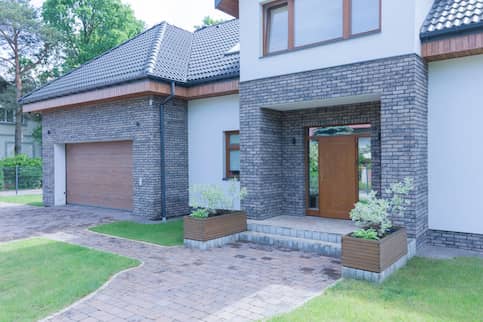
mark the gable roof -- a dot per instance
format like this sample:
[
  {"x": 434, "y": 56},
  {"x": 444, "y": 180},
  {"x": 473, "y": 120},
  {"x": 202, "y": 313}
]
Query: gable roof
[
  {"x": 163, "y": 52},
  {"x": 451, "y": 16}
]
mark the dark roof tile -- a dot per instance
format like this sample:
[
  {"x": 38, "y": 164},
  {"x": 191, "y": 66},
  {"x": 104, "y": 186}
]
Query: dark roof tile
[
  {"x": 449, "y": 16},
  {"x": 164, "y": 51}
]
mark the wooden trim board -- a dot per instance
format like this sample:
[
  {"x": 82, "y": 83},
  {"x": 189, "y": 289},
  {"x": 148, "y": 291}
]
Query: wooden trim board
[{"x": 135, "y": 89}]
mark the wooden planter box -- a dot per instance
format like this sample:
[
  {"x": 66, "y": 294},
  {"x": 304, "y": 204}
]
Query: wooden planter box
[
  {"x": 204, "y": 229},
  {"x": 374, "y": 255}
]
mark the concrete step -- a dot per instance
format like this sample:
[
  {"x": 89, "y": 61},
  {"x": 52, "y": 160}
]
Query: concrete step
[
  {"x": 295, "y": 232},
  {"x": 294, "y": 243}
]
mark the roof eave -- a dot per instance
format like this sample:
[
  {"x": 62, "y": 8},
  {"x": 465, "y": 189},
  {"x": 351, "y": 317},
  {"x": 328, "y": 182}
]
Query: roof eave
[
  {"x": 228, "y": 6},
  {"x": 475, "y": 27}
]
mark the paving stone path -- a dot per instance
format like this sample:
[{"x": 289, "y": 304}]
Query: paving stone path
[{"x": 239, "y": 282}]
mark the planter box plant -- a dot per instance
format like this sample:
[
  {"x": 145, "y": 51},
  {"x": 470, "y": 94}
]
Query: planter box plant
[
  {"x": 374, "y": 255},
  {"x": 377, "y": 245},
  {"x": 220, "y": 224},
  {"x": 213, "y": 216}
]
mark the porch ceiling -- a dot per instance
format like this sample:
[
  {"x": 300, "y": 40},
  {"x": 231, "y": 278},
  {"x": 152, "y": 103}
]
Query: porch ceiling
[{"x": 293, "y": 106}]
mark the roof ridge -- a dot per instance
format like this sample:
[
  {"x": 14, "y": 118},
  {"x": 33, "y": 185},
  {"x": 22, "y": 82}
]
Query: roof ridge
[
  {"x": 215, "y": 25},
  {"x": 152, "y": 59},
  {"x": 88, "y": 62}
]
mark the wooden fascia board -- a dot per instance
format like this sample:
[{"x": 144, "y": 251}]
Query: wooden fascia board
[
  {"x": 135, "y": 89},
  {"x": 453, "y": 47},
  {"x": 230, "y": 7}
]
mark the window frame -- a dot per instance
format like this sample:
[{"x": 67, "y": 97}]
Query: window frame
[
  {"x": 346, "y": 26},
  {"x": 228, "y": 148}
]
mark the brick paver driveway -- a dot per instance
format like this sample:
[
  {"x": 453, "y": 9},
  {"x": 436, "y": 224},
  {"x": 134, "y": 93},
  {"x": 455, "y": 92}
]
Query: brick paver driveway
[{"x": 239, "y": 282}]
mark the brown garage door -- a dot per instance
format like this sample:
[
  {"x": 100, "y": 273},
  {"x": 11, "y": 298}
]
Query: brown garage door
[{"x": 100, "y": 174}]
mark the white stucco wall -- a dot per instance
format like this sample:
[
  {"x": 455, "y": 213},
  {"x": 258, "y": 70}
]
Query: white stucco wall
[
  {"x": 208, "y": 119},
  {"x": 455, "y": 145},
  {"x": 401, "y": 23}
]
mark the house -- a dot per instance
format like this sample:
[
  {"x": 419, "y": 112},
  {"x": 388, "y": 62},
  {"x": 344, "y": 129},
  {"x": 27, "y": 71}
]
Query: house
[
  {"x": 7, "y": 128},
  {"x": 257, "y": 98}
]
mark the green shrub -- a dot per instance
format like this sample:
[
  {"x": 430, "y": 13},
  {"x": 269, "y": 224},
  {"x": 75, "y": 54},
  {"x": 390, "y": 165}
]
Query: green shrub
[
  {"x": 29, "y": 172},
  {"x": 366, "y": 234},
  {"x": 200, "y": 213}
]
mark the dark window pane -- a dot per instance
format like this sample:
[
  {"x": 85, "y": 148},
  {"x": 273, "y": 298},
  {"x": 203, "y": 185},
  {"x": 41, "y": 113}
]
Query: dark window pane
[
  {"x": 10, "y": 116},
  {"x": 2, "y": 115},
  {"x": 317, "y": 20},
  {"x": 365, "y": 16},
  {"x": 278, "y": 29}
]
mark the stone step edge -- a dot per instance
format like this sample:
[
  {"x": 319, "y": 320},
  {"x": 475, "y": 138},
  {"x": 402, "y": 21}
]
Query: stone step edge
[
  {"x": 295, "y": 233},
  {"x": 294, "y": 243}
]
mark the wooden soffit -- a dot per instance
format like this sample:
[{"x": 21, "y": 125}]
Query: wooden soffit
[
  {"x": 453, "y": 47},
  {"x": 228, "y": 6},
  {"x": 135, "y": 89}
]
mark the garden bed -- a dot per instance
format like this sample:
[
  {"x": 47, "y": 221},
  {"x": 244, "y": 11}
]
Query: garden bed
[
  {"x": 221, "y": 224},
  {"x": 374, "y": 255}
]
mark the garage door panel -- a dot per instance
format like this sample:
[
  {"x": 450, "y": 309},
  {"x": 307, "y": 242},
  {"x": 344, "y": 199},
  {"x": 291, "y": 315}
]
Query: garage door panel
[{"x": 100, "y": 174}]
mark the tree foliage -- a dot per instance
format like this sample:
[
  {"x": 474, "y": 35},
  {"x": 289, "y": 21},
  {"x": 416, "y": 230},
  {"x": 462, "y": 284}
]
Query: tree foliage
[
  {"x": 90, "y": 27},
  {"x": 26, "y": 43},
  {"x": 209, "y": 21}
]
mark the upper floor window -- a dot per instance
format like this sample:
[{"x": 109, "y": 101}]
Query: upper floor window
[{"x": 290, "y": 24}]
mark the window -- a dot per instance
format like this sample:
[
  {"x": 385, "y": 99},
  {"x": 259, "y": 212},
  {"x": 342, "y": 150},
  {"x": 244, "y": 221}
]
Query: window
[
  {"x": 290, "y": 24},
  {"x": 365, "y": 16},
  {"x": 7, "y": 116},
  {"x": 277, "y": 27},
  {"x": 317, "y": 20},
  {"x": 232, "y": 159}
]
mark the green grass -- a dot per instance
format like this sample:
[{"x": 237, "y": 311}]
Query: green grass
[
  {"x": 30, "y": 200},
  {"x": 165, "y": 234},
  {"x": 425, "y": 290},
  {"x": 39, "y": 277}
]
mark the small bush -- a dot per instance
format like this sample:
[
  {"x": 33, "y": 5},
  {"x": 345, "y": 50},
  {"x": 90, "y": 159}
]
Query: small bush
[{"x": 372, "y": 213}]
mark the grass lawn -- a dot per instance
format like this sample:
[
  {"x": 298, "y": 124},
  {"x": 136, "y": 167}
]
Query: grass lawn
[
  {"x": 39, "y": 277},
  {"x": 30, "y": 200},
  {"x": 165, "y": 234},
  {"x": 425, "y": 290}
]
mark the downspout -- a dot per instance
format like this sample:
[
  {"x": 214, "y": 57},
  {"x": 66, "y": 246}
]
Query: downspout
[{"x": 162, "y": 152}]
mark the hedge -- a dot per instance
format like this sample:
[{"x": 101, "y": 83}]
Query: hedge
[{"x": 29, "y": 176}]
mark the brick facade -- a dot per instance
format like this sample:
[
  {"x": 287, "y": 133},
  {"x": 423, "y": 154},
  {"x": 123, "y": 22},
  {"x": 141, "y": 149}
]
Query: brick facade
[
  {"x": 401, "y": 85},
  {"x": 454, "y": 239},
  {"x": 136, "y": 120}
]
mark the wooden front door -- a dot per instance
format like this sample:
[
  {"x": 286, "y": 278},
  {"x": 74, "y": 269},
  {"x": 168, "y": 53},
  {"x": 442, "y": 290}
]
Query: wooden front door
[{"x": 338, "y": 186}]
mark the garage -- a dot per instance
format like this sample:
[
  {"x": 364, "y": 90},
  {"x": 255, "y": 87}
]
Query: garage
[{"x": 100, "y": 174}]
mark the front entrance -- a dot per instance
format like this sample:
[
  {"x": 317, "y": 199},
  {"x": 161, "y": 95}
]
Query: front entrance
[
  {"x": 337, "y": 176},
  {"x": 339, "y": 169}
]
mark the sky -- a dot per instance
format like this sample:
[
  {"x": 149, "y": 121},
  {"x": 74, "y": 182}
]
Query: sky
[{"x": 182, "y": 13}]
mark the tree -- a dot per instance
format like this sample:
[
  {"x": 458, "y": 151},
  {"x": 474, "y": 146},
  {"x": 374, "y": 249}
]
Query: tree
[
  {"x": 90, "y": 27},
  {"x": 25, "y": 44},
  {"x": 209, "y": 21}
]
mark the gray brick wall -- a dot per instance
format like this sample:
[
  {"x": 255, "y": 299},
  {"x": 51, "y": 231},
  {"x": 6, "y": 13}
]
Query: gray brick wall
[
  {"x": 453, "y": 239},
  {"x": 136, "y": 120},
  {"x": 401, "y": 84}
]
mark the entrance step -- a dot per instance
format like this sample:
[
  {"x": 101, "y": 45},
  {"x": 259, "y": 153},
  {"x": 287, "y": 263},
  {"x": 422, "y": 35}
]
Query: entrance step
[
  {"x": 303, "y": 233},
  {"x": 325, "y": 248}
]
